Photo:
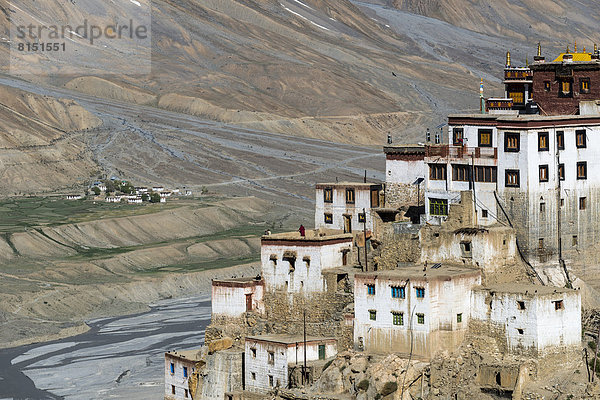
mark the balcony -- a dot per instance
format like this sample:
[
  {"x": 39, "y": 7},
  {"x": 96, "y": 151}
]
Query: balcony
[{"x": 448, "y": 151}]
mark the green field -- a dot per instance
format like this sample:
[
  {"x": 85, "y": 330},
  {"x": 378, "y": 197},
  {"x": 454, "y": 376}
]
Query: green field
[{"x": 19, "y": 214}]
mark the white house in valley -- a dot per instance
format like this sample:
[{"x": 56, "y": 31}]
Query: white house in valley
[
  {"x": 236, "y": 296},
  {"x": 179, "y": 365}
]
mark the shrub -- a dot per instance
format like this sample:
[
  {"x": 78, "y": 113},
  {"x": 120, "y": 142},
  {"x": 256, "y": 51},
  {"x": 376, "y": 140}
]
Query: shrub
[
  {"x": 363, "y": 385},
  {"x": 389, "y": 388},
  {"x": 96, "y": 190},
  {"x": 592, "y": 345}
]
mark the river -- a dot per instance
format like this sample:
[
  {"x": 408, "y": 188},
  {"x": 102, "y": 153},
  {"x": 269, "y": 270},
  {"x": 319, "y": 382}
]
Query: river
[{"x": 118, "y": 358}]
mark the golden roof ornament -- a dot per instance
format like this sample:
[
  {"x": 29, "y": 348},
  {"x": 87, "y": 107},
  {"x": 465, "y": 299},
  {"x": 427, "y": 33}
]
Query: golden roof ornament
[
  {"x": 508, "y": 58},
  {"x": 539, "y": 53}
]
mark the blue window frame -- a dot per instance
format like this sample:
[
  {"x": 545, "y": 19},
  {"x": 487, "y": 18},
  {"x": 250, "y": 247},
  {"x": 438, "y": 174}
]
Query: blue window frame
[
  {"x": 172, "y": 368},
  {"x": 185, "y": 372},
  {"x": 420, "y": 292},
  {"x": 398, "y": 292},
  {"x": 371, "y": 289}
]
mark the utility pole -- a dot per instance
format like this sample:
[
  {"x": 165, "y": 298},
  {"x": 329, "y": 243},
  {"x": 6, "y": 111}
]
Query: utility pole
[
  {"x": 596, "y": 354},
  {"x": 365, "y": 233},
  {"x": 304, "y": 378}
]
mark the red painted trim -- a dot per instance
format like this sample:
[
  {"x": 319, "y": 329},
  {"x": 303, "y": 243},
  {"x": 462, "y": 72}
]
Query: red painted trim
[{"x": 304, "y": 242}]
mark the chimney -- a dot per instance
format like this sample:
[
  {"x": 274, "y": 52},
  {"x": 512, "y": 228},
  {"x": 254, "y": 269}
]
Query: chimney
[{"x": 389, "y": 138}]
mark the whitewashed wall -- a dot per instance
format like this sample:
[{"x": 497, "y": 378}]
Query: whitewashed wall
[
  {"x": 231, "y": 301},
  {"x": 177, "y": 379},
  {"x": 339, "y": 207},
  {"x": 261, "y": 367}
]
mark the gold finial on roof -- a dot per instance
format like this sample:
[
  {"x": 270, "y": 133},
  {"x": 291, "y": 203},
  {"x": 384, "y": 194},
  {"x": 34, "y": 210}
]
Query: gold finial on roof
[
  {"x": 595, "y": 48},
  {"x": 575, "y": 51},
  {"x": 567, "y": 49},
  {"x": 508, "y": 58},
  {"x": 584, "y": 49},
  {"x": 539, "y": 53},
  {"x": 526, "y": 62}
]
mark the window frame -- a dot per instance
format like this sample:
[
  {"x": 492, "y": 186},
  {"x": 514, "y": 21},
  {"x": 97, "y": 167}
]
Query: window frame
[
  {"x": 420, "y": 292},
  {"x": 547, "y": 86},
  {"x": 328, "y": 195},
  {"x": 362, "y": 217},
  {"x": 508, "y": 137},
  {"x": 328, "y": 218},
  {"x": 486, "y": 131},
  {"x": 438, "y": 207},
  {"x": 459, "y": 318},
  {"x": 561, "y": 88},
  {"x": 350, "y": 196},
  {"x": 583, "y": 203},
  {"x": 397, "y": 317},
  {"x": 584, "y": 82},
  {"x": 271, "y": 357},
  {"x": 398, "y": 292},
  {"x": 509, "y": 172},
  {"x": 560, "y": 140},
  {"x": 420, "y": 318},
  {"x": 544, "y": 176},
  {"x": 372, "y": 315},
  {"x": 435, "y": 170},
  {"x": 370, "y": 289},
  {"x": 461, "y": 173},
  {"x": 581, "y": 133},
  {"x": 582, "y": 164},
  {"x": 172, "y": 368},
  {"x": 543, "y": 141},
  {"x": 486, "y": 174},
  {"x": 458, "y": 139},
  {"x": 561, "y": 171}
]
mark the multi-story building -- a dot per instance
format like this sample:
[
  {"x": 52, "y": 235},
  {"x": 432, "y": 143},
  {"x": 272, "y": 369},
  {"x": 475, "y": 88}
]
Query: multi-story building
[
  {"x": 346, "y": 205},
  {"x": 179, "y": 365},
  {"x": 277, "y": 360},
  {"x": 296, "y": 264},
  {"x": 236, "y": 296},
  {"x": 413, "y": 309},
  {"x": 527, "y": 166},
  {"x": 404, "y": 174},
  {"x": 527, "y": 319}
]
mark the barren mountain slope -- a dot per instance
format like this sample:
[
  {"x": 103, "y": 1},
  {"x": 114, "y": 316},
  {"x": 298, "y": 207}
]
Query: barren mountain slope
[
  {"x": 552, "y": 21},
  {"x": 40, "y": 147}
]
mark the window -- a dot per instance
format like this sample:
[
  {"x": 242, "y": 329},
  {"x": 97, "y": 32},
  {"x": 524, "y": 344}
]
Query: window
[
  {"x": 486, "y": 174},
  {"x": 584, "y": 85},
  {"x": 172, "y": 368},
  {"x": 457, "y": 136},
  {"x": 253, "y": 351},
  {"x": 560, "y": 140},
  {"x": 373, "y": 315},
  {"x": 185, "y": 372},
  {"x": 271, "y": 357},
  {"x": 172, "y": 389},
  {"x": 461, "y": 173},
  {"x": 321, "y": 352},
  {"x": 511, "y": 178},
  {"x": 253, "y": 375},
  {"x": 543, "y": 173},
  {"x": 328, "y": 195},
  {"x": 562, "y": 202},
  {"x": 437, "y": 172},
  {"x": 185, "y": 393},
  {"x": 485, "y": 137},
  {"x": 328, "y": 218},
  {"x": 520, "y": 330},
  {"x": 398, "y": 292},
  {"x": 484, "y": 213},
  {"x": 438, "y": 206},
  {"x": 565, "y": 89},
  {"x": 521, "y": 305},
  {"x": 361, "y": 217},
  {"x": 465, "y": 248},
  {"x": 420, "y": 318},
  {"x": 582, "y": 203},
  {"x": 580, "y": 139},
  {"x": 374, "y": 198},
  {"x": 582, "y": 170},
  {"x": 517, "y": 97},
  {"x": 561, "y": 172},
  {"x": 271, "y": 380},
  {"x": 558, "y": 305},
  {"x": 397, "y": 318},
  {"x": 370, "y": 289},
  {"x": 350, "y": 196},
  {"x": 547, "y": 86},
  {"x": 541, "y": 244},
  {"x": 511, "y": 142},
  {"x": 574, "y": 240},
  {"x": 420, "y": 292},
  {"x": 542, "y": 208},
  {"x": 543, "y": 144},
  {"x": 459, "y": 318}
]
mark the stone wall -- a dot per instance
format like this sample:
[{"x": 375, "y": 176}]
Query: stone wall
[{"x": 403, "y": 194}]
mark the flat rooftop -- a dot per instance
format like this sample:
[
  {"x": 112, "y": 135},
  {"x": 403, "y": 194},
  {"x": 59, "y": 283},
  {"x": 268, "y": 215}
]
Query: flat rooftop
[
  {"x": 521, "y": 117},
  {"x": 347, "y": 184},
  {"x": 288, "y": 339},
  {"x": 192, "y": 355},
  {"x": 311, "y": 235},
  {"x": 523, "y": 288},
  {"x": 243, "y": 279},
  {"x": 415, "y": 271}
]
